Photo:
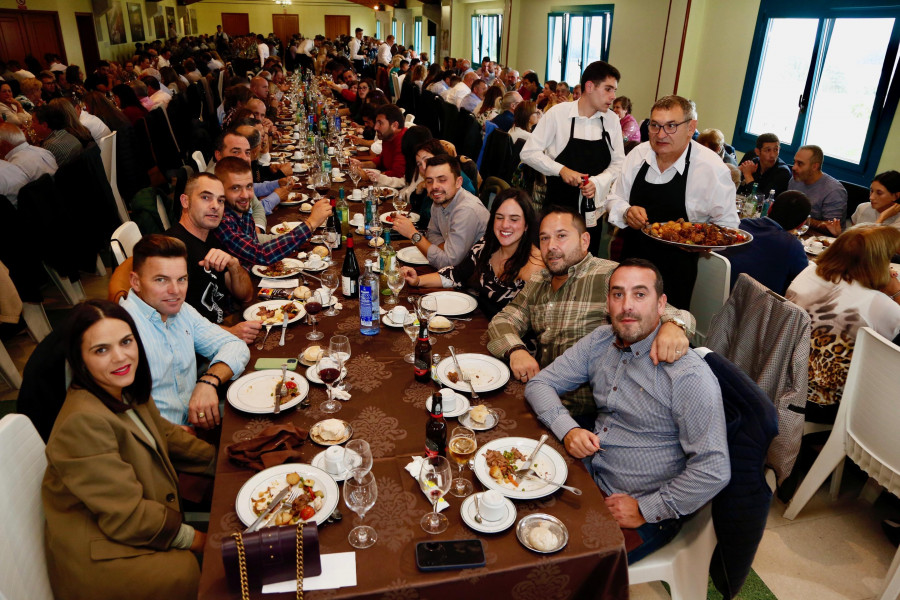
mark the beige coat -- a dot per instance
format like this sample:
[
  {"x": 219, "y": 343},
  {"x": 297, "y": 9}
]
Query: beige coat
[{"x": 112, "y": 506}]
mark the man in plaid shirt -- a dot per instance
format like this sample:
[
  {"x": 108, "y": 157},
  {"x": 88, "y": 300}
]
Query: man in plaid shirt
[
  {"x": 237, "y": 232},
  {"x": 564, "y": 303}
]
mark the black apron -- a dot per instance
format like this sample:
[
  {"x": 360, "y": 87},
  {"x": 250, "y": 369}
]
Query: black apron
[
  {"x": 663, "y": 202},
  {"x": 585, "y": 156}
]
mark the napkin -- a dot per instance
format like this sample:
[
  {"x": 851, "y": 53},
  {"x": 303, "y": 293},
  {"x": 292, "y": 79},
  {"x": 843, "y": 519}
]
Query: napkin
[
  {"x": 274, "y": 445},
  {"x": 338, "y": 570},
  {"x": 339, "y": 394},
  {"x": 414, "y": 468},
  {"x": 278, "y": 283}
]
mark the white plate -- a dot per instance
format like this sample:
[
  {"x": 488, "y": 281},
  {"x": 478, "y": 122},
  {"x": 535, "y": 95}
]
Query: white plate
[
  {"x": 276, "y": 229},
  {"x": 314, "y": 377},
  {"x": 549, "y": 464},
  {"x": 807, "y": 244},
  {"x": 318, "y": 461},
  {"x": 453, "y": 304},
  {"x": 250, "y": 313},
  {"x": 339, "y": 179},
  {"x": 466, "y": 421},
  {"x": 387, "y": 320},
  {"x": 274, "y": 477},
  {"x": 292, "y": 263},
  {"x": 412, "y": 256},
  {"x": 255, "y": 392},
  {"x": 467, "y": 511},
  {"x": 322, "y": 266},
  {"x": 462, "y": 406},
  {"x": 294, "y": 199},
  {"x": 362, "y": 148},
  {"x": 314, "y": 435},
  {"x": 486, "y": 372},
  {"x": 300, "y": 168},
  {"x": 413, "y": 217}
]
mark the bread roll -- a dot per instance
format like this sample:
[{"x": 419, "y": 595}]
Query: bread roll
[
  {"x": 479, "y": 414},
  {"x": 542, "y": 538},
  {"x": 312, "y": 354},
  {"x": 302, "y": 293},
  {"x": 306, "y": 206},
  {"x": 332, "y": 429},
  {"x": 439, "y": 322},
  {"x": 321, "y": 251}
]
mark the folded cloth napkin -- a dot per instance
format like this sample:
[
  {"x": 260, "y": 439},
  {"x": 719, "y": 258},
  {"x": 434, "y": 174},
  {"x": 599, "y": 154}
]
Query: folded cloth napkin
[
  {"x": 274, "y": 445},
  {"x": 339, "y": 394},
  {"x": 414, "y": 468}
]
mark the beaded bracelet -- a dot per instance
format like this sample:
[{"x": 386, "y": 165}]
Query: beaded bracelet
[
  {"x": 209, "y": 383},
  {"x": 213, "y": 375}
]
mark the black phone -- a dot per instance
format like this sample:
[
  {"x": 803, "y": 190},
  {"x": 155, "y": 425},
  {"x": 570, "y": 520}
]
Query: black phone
[{"x": 445, "y": 555}]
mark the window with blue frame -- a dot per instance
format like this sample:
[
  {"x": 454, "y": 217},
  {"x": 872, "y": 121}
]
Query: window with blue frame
[
  {"x": 417, "y": 34},
  {"x": 403, "y": 33},
  {"x": 823, "y": 73},
  {"x": 487, "y": 31},
  {"x": 377, "y": 29},
  {"x": 575, "y": 40},
  {"x": 431, "y": 45},
  {"x": 394, "y": 28}
]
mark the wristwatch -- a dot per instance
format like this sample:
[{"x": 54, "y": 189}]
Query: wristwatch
[
  {"x": 679, "y": 322},
  {"x": 416, "y": 238}
]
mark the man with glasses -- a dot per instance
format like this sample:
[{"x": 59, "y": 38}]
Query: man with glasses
[{"x": 668, "y": 178}]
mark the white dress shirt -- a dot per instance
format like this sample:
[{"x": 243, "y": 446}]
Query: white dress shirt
[
  {"x": 162, "y": 62},
  {"x": 98, "y": 128},
  {"x": 457, "y": 93},
  {"x": 551, "y": 135},
  {"x": 33, "y": 160},
  {"x": 12, "y": 178},
  {"x": 709, "y": 193},
  {"x": 161, "y": 98},
  {"x": 384, "y": 55},
  {"x": 355, "y": 45},
  {"x": 263, "y": 51}
]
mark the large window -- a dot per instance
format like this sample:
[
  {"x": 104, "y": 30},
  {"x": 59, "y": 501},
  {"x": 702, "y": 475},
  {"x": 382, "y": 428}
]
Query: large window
[
  {"x": 394, "y": 28},
  {"x": 487, "y": 31},
  {"x": 417, "y": 34},
  {"x": 823, "y": 74},
  {"x": 575, "y": 40},
  {"x": 403, "y": 34},
  {"x": 377, "y": 29}
]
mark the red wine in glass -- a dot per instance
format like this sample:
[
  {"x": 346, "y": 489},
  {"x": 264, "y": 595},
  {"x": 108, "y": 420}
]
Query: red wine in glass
[
  {"x": 313, "y": 308},
  {"x": 329, "y": 375},
  {"x": 323, "y": 189}
]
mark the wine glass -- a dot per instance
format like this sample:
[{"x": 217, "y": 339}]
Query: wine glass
[
  {"x": 359, "y": 496},
  {"x": 357, "y": 459},
  {"x": 400, "y": 203},
  {"x": 313, "y": 307},
  {"x": 322, "y": 183},
  {"x": 434, "y": 479},
  {"x": 395, "y": 281},
  {"x": 461, "y": 449},
  {"x": 375, "y": 228},
  {"x": 329, "y": 370},
  {"x": 427, "y": 308},
  {"x": 331, "y": 239},
  {"x": 411, "y": 328},
  {"x": 330, "y": 281},
  {"x": 355, "y": 176}
]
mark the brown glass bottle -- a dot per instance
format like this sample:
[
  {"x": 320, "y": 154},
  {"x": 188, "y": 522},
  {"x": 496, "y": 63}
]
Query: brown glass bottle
[
  {"x": 436, "y": 429},
  {"x": 422, "y": 362}
]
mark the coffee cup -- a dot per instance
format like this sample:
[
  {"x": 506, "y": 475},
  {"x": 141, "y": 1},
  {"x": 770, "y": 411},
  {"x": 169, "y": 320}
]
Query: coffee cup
[
  {"x": 491, "y": 506},
  {"x": 334, "y": 460},
  {"x": 298, "y": 155},
  {"x": 335, "y": 173},
  {"x": 448, "y": 400},
  {"x": 399, "y": 314},
  {"x": 296, "y": 135},
  {"x": 357, "y": 220},
  {"x": 331, "y": 150},
  {"x": 357, "y": 194}
]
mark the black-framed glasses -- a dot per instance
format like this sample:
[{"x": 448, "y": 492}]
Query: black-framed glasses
[{"x": 669, "y": 128}]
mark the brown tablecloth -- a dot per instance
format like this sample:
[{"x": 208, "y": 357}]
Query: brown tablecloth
[{"x": 388, "y": 410}]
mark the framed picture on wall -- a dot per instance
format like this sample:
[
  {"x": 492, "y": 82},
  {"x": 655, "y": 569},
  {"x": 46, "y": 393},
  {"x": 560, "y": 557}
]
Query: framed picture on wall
[
  {"x": 171, "y": 30},
  {"x": 194, "y": 27},
  {"x": 136, "y": 22},
  {"x": 115, "y": 22},
  {"x": 159, "y": 23}
]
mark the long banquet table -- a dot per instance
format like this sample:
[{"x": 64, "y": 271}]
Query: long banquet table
[{"x": 387, "y": 409}]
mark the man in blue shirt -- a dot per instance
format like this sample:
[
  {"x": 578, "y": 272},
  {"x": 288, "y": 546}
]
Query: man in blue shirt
[
  {"x": 661, "y": 428},
  {"x": 826, "y": 194},
  {"x": 775, "y": 256},
  {"x": 766, "y": 169}
]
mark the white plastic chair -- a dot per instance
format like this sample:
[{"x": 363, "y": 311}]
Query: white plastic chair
[
  {"x": 123, "y": 240},
  {"x": 163, "y": 216},
  {"x": 8, "y": 370},
  {"x": 73, "y": 292},
  {"x": 395, "y": 80},
  {"x": 108, "y": 154},
  {"x": 23, "y": 565},
  {"x": 201, "y": 162},
  {"x": 683, "y": 563},
  {"x": 710, "y": 292}
]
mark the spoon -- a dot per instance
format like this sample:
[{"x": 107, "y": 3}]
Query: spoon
[{"x": 477, "y": 510}]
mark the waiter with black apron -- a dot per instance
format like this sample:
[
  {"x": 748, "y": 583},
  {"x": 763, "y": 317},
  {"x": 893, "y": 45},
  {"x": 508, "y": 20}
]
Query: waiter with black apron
[{"x": 579, "y": 147}]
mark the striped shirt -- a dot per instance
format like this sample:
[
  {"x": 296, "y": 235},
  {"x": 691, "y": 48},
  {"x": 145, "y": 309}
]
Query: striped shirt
[
  {"x": 171, "y": 347},
  {"x": 237, "y": 234},
  {"x": 562, "y": 317},
  {"x": 662, "y": 427}
]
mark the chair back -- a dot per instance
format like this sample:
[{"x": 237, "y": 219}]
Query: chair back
[
  {"x": 856, "y": 195},
  {"x": 428, "y": 114},
  {"x": 107, "y": 146},
  {"x": 468, "y": 136},
  {"x": 449, "y": 117},
  {"x": 163, "y": 214},
  {"x": 123, "y": 240},
  {"x": 710, "y": 292},
  {"x": 395, "y": 83},
  {"x": 489, "y": 128},
  {"x": 23, "y": 564},
  {"x": 489, "y": 190},
  {"x": 200, "y": 160}
]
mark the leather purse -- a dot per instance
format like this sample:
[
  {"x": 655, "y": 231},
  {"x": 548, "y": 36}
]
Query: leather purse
[{"x": 271, "y": 555}]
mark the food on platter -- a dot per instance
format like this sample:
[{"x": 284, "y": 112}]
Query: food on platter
[
  {"x": 313, "y": 354},
  {"x": 543, "y": 538},
  {"x": 302, "y": 293},
  {"x": 279, "y": 269},
  {"x": 699, "y": 234},
  {"x": 331, "y": 429}
]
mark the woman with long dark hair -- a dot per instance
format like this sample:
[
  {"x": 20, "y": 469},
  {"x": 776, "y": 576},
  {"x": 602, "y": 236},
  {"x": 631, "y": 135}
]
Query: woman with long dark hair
[
  {"x": 434, "y": 71},
  {"x": 98, "y": 105},
  {"x": 499, "y": 265},
  {"x": 128, "y": 103},
  {"x": 110, "y": 492}
]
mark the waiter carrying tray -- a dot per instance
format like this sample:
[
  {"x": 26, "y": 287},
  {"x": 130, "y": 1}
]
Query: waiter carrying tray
[
  {"x": 577, "y": 139},
  {"x": 668, "y": 178}
]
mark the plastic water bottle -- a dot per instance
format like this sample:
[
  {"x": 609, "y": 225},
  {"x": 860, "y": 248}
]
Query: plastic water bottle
[
  {"x": 369, "y": 309},
  {"x": 767, "y": 203}
]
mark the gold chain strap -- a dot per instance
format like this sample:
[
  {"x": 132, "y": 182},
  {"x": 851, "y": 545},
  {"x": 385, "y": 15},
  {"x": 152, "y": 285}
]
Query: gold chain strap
[
  {"x": 300, "y": 561},
  {"x": 242, "y": 563}
]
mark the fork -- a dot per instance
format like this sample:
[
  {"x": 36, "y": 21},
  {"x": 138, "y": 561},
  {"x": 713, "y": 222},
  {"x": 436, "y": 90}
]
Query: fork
[
  {"x": 463, "y": 376},
  {"x": 293, "y": 495},
  {"x": 262, "y": 343},
  {"x": 280, "y": 391}
]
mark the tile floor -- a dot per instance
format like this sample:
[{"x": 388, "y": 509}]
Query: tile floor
[{"x": 833, "y": 550}]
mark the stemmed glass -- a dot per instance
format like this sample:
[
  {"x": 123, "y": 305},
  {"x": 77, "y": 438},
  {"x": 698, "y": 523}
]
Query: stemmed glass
[
  {"x": 400, "y": 203},
  {"x": 395, "y": 281},
  {"x": 329, "y": 370},
  {"x": 359, "y": 496},
  {"x": 461, "y": 449},
  {"x": 375, "y": 228},
  {"x": 330, "y": 281},
  {"x": 427, "y": 308},
  {"x": 434, "y": 479},
  {"x": 313, "y": 307},
  {"x": 339, "y": 346},
  {"x": 355, "y": 175},
  {"x": 322, "y": 183},
  {"x": 411, "y": 328},
  {"x": 357, "y": 459}
]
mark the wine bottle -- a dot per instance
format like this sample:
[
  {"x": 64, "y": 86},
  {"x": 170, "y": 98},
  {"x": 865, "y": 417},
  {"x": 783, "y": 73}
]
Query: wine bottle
[
  {"x": 350, "y": 272},
  {"x": 422, "y": 362},
  {"x": 436, "y": 429}
]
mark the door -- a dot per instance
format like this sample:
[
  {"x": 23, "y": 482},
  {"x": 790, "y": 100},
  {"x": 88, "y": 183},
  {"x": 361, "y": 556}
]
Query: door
[
  {"x": 284, "y": 26},
  {"x": 236, "y": 23},
  {"x": 88, "y": 38},
  {"x": 336, "y": 26},
  {"x": 33, "y": 32}
]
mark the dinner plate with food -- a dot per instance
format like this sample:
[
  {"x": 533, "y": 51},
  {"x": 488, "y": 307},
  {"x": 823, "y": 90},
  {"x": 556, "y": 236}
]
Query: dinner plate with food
[
  {"x": 330, "y": 432},
  {"x": 285, "y": 267},
  {"x": 817, "y": 244},
  {"x": 697, "y": 236},
  {"x": 284, "y": 227},
  {"x": 271, "y": 312},
  {"x": 496, "y": 463},
  {"x": 255, "y": 392},
  {"x": 485, "y": 372},
  {"x": 294, "y": 198},
  {"x": 388, "y": 217},
  {"x": 384, "y": 192},
  {"x": 453, "y": 304},
  {"x": 318, "y": 497}
]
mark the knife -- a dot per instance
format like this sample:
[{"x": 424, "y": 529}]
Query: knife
[
  {"x": 530, "y": 462},
  {"x": 462, "y": 375},
  {"x": 276, "y": 502},
  {"x": 283, "y": 328}
]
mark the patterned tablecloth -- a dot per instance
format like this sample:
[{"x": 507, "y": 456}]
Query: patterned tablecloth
[{"x": 388, "y": 410}]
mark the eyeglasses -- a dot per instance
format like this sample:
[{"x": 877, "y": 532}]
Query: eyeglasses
[{"x": 669, "y": 128}]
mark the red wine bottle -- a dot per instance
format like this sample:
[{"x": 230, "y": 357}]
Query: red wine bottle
[
  {"x": 350, "y": 272},
  {"x": 436, "y": 429},
  {"x": 422, "y": 362}
]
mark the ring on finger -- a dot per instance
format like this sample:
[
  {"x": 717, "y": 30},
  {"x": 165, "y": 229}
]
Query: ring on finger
[{"x": 201, "y": 414}]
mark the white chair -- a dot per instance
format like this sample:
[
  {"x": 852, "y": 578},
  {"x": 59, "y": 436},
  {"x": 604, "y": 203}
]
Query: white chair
[
  {"x": 683, "y": 563},
  {"x": 395, "y": 80},
  {"x": 410, "y": 119},
  {"x": 73, "y": 292},
  {"x": 36, "y": 319},
  {"x": 710, "y": 292},
  {"x": 23, "y": 564},
  {"x": 8, "y": 370},
  {"x": 123, "y": 240},
  {"x": 201, "y": 162},
  {"x": 163, "y": 216},
  {"x": 108, "y": 154},
  {"x": 865, "y": 431}
]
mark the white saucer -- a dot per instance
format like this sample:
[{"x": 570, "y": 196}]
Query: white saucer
[
  {"x": 387, "y": 320},
  {"x": 319, "y": 461},
  {"x": 462, "y": 406},
  {"x": 313, "y": 377},
  {"x": 467, "y": 511}
]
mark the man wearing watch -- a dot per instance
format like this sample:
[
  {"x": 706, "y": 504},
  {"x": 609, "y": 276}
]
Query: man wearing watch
[
  {"x": 566, "y": 302},
  {"x": 458, "y": 218}
]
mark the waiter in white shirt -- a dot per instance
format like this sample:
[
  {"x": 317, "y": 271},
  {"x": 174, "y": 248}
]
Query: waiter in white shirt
[
  {"x": 359, "y": 61},
  {"x": 578, "y": 140},
  {"x": 384, "y": 53},
  {"x": 668, "y": 178}
]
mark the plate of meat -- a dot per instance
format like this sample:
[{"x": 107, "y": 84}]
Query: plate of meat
[
  {"x": 271, "y": 312},
  {"x": 699, "y": 236},
  {"x": 278, "y": 270},
  {"x": 496, "y": 463}
]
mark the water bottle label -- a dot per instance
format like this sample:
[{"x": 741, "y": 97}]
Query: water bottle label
[{"x": 365, "y": 305}]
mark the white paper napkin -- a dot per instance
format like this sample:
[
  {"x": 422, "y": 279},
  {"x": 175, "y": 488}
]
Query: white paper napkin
[
  {"x": 414, "y": 468},
  {"x": 338, "y": 570},
  {"x": 279, "y": 283},
  {"x": 339, "y": 394}
]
